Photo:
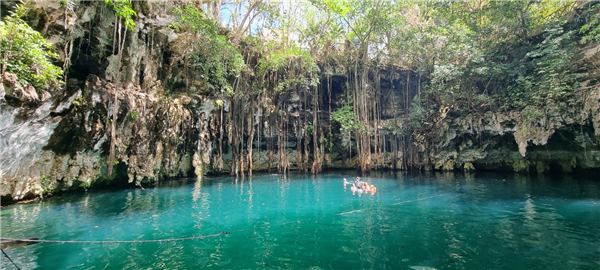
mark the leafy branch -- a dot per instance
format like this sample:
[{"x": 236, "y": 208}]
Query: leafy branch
[
  {"x": 26, "y": 53},
  {"x": 123, "y": 10}
]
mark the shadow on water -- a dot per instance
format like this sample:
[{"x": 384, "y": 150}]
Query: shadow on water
[{"x": 579, "y": 185}]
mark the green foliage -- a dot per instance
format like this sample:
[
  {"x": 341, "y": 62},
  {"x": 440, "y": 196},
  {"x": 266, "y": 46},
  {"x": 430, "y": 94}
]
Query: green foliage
[
  {"x": 193, "y": 20},
  {"x": 45, "y": 183},
  {"x": 78, "y": 101},
  {"x": 213, "y": 56},
  {"x": 536, "y": 74},
  {"x": 515, "y": 94},
  {"x": 309, "y": 129},
  {"x": 347, "y": 119},
  {"x": 133, "y": 115},
  {"x": 124, "y": 10},
  {"x": 532, "y": 113},
  {"x": 392, "y": 128},
  {"x": 328, "y": 141},
  {"x": 342, "y": 8},
  {"x": 26, "y": 53},
  {"x": 417, "y": 114},
  {"x": 591, "y": 30},
  {"x": 84, "y": 185},
  {"x": 546, "y": 77},
  {"x": 300, "y": 66},
  {"x": 555, "y": 79}
]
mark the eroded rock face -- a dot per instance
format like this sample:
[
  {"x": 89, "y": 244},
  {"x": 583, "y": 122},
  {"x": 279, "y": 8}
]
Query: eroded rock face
[
  {"x": 61, "y": 143},
  {"x": 507, "y": 141},
  {"x": 167, "y": 126},
  {"x": 63, "y": 146}
]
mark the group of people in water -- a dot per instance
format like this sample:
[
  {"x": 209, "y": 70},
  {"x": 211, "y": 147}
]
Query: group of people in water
[{"x": 360, "y": 187}]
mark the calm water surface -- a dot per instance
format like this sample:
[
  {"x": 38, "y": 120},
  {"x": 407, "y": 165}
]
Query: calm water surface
[{"x": 414, "y": 221}]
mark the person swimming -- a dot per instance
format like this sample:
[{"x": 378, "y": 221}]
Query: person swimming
[
  {"x": 357, "y": 181},
  {"x": 345, "y": 181},
  {"x": 353, "y": 188},
  {"x": 366, "y": 187},
  {"x": 373, "y": 189}
]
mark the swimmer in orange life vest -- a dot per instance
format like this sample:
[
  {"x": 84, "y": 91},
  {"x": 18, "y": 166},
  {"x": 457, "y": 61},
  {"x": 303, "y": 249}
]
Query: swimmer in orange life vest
[{"x": 373, "y": 189}]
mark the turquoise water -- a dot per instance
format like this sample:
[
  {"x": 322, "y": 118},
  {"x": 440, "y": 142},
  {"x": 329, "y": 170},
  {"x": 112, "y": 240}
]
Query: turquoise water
[{"x": 414, "y": 221}]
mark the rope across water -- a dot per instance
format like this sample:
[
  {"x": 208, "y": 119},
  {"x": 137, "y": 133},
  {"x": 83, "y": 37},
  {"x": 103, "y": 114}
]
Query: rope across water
[
  {"x": 113, "y": 242},
  {"x": 222, "y": 232}
]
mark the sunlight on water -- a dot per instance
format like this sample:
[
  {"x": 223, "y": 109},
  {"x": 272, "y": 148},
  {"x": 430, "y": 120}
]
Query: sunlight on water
[{"x": 414, "y": 221}]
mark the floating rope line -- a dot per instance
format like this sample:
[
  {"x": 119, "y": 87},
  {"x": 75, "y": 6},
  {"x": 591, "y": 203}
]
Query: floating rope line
[
  {"x": 398, "y": 203},
  {"x": 115, "y": 242},
  {"x": 416, "y": 200},
  {"x": 353, "y": 211},
  {"x": 195, "y": 237},
  {"x": 10, "y": 259}
]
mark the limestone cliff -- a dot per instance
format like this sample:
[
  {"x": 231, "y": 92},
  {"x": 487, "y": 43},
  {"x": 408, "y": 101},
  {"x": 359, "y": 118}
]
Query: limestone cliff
[
  {"x": 170, "y": 123},
  {"x": 58, "y": 141},
  {"x": 564, "y": 140}
]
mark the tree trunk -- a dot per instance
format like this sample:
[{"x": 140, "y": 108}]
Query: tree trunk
[
  {"x": 113, "y": 130},
  {"x": 250, "y": 137},
  {"x": 407, "y": 103},
  {"x": 270, "y": 144},
  {"x": 220, "y": 161},
  {"x": 241, "y": 134},
  {"x": 299, "y": 144},
  {"x": 317, "y": 153}
]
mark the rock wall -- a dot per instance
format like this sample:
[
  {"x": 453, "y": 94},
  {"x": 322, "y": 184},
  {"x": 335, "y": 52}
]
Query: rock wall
[
  {"x": 167, "y": 126},
  {"x": 59, "y": 141},
  {"x": 564, "y": 139},
  {"x": 498, "y": 141}
]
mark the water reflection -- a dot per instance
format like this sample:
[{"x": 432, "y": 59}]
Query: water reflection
[
  {"x": 437, "y": 220},
  {"x": 196, "y": 192}
]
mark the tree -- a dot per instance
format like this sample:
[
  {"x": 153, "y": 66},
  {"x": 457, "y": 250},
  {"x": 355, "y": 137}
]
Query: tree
[
  {"x": 26, "y": 53},
  {"x": 209, "y": 53}
]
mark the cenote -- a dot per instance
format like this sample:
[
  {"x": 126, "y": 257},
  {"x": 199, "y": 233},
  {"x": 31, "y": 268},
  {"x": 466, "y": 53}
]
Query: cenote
[
  {"x": 477, "y": 121},
  {"x": 413, "y": 221}
]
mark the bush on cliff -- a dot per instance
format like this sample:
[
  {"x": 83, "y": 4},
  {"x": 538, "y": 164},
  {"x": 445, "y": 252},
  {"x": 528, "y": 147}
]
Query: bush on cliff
[{"x": 26, "y": 53}]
